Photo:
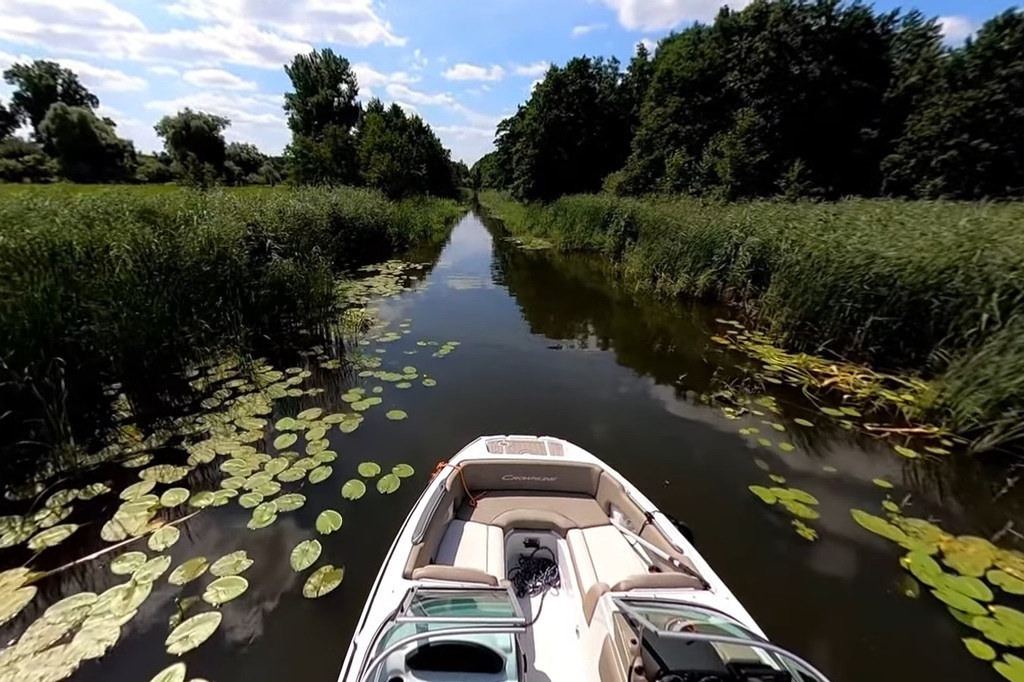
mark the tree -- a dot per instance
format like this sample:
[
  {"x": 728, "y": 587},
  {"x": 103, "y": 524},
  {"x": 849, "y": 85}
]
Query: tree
[
  {"x": 23, "y": 161},
  {"x": 243, "y": 163},
  {"x": 8, "y": 122},
  {"x": 195, "y": 141},
  {"x": 85, "y": 147},
  {"x": 154, "y": 168},
  {"x": 40, "y": 85},
  {"x": 322, "y": 111}
]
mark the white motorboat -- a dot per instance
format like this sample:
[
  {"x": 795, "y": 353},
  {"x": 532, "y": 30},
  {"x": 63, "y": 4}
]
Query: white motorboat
[{"x": 527, "y": 559}]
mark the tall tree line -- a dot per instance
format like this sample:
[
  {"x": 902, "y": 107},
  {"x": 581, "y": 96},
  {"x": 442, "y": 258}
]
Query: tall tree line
[
  {"x": 785, "y": 97},
  {"x": 335, "y": 140}
]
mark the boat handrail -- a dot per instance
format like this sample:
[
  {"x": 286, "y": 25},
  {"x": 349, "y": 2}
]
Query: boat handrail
[
  {"x": 376, "y": 661},
  {"x": 762, "y": 644}
]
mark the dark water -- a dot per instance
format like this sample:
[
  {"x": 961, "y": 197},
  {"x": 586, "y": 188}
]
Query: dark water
[{"x": 551, "y": 346}]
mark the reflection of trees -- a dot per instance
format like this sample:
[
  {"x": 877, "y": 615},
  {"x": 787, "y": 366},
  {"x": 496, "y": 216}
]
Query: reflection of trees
[{"x": 577, "y": 300}]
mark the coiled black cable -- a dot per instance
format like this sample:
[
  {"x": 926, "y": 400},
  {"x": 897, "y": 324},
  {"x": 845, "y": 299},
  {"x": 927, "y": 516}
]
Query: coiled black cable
[{"x": 534, "y": 575}]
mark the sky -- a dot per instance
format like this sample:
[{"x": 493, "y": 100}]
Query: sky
[{"x": 463, "y": 65}]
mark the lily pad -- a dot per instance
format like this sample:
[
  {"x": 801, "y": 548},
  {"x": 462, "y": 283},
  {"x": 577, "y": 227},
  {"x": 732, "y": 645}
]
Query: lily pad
[
  {"x": 368, "y": 469},
  {"x": 172, "y": 497},
  {"x": 923, "y": 567},
  {"x": 803, "y": 422},
  {"x": 188, "y": 571},
  {"x": 151, "y": 570},
  {"x": 127, "y": 563},
  {"x": 51, "y": 537},
  {"x": 959, "y": 602},
  {"x": 277, "y": 465},
  {"x": 831, "y": 411},
  {"x": 202, "y": 499},
  {"x": 320, "y": 474},
  {"x": 262, "y": 516},
  {"x": 979, "y": 649},
  {"x": 163, "y": 538},
  {"x": 353, "y": 489},
  {"x": 286, "y": 424},
  {"x": 766, "y": 495},
  {"x": 906, "y": 452},
  {"x": 882, "y": 483},
  {"x": 970, "y": 556},
  {"x": 967, "y": 586},
  {"x": 388, "y": 483},
  {"x": 403, "y": 470},
  {"x": 223, "y": 590},
  {"x": 879, "y": 526},
  {"x": 250, "y": 500},
  {"x": 430, "y": 383},
  {"x": 328, "y": 522},
  {"x": 290, "y": 502},
  {"x": 323, "y": 581},
  {"x": 11, "y": 603},
  {"x": 396, "y": 415},
  {"x": 764, "y": 442},
  {"x": 136, "y": 490},
  {"x": 231, "y": 564},
  {"x": 305, "y": 555},
  {"x": 325, "y": 456},
  {"x": 1004, "y": 581},
  {"x": 285, "y": 441},
  {"x": 310, "y": 414},
  {"x": 193, "y": 632},
  {"x": 172, "y": 673}
]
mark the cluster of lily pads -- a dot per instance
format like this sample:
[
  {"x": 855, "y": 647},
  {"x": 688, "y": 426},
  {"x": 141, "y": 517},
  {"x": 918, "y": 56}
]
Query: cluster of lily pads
[
  {"x": 225, "y": 435},
  {"x": 978, "y": 574}
]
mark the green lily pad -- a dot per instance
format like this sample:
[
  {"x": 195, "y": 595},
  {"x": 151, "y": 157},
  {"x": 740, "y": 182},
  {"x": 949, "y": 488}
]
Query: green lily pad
[
  {"x": 268, "y": 489},
  {"x": 223, "y": 590},
  {"x": 127, "y": 563},
  {"x": 290, "y": 502},
  {"x": 163, "y": 538},
  {"x": 323, "y": 581},
  {"x": 403, "y": 385},
  {"x": 231, "y": 564},
  {"x": 172, "y": 673},
  {"x": 285, "y": 441},
  {"x": 250, "y": 500},
  {"x": 292, "y": 475},
  {"x": 1011, "y": 667},
  {"x": 882, "y": 483},
  {"x": 328, "y": 522},
  {"x": 151, "y": 570},
  {"x": 315, "y": 433},
  {"x": 305, "y": 555},
  {"x": 11, "y": 603},
  {"x": 890, "y": 506},
  {"x": 51, "y": 537},
  {"x": 310, "y": 414},
  {"x": 959, "y": 602},
  {"x": 316, "y": 446},
  {"x": 353, "y": 489},
  {"x": 764, "y": 442},
  {"x": 277, "y": 465},
  {"x": 879, "y": 526},
  {"x": 325, "y": 456},
  {"x": 403, "y": 470},
  {"x": 388, "y": 483},
  {"x": 430, "y": 383},
  {"x": 368, "y": 469},
  {"x": 188, "y": 571},
  {"x": 803, "y": 422},
  {"x": 172, "y": 497},
  {"x": 979, "y": 649},
  {"x": 777, "y": 479},
  {"x": 136, "y": 490},
  {"x": 766, "y": 495},
  {"x": 906, "y": 452},
  {"x": 320, "y": 474},
  {"x": 1004, "y": 581},
  {"x": 787, "y": 447},
  {"x": 192, "y": 632},
  {"x": 967, "y": 586},
  {"x": 262, "y": 516},
  {"x": 396, "y": 415},
  {"x": 286, "y": 424},
  {"x": 831, "y": 411},
  {"x": 923, "y": 567}
]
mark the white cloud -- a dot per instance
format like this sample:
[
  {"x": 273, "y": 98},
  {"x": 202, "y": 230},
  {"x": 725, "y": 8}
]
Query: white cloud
[
  {"x": 654, "y": 15},
  {"x": 217, "y": 79},
  {"x": 163, "y": 71},
  {"x": 96, "y": 78},
  {"x": 532, "y": 70},
  {"x": 255, "y": 118},
  {"x": 472, "y": 72},
  {"x": 579, "y": 31},
  {"x": 348, "y": 22},
  {"x": 650, "y": 43},
  {"x": 467, "y": 143},
  {"x": 370, "y": 79},
  {"x": 956, "y": 29},
  {"x": 401, "y": 92},
  {"x": 419, "y": 62}
]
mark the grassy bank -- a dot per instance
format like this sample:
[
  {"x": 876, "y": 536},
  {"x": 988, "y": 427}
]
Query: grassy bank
[
  {"x": 928, "y": 287},
  {"x": 132, "y": 284}
]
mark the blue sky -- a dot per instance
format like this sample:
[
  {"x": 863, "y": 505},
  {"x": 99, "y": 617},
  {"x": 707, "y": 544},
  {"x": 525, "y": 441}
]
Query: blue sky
[{"x": 461, "y": 64}]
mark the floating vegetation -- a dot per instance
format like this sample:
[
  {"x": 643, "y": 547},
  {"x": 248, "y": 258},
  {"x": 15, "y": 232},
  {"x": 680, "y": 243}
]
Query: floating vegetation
[
  {"x": 353, "y": 489},
  {"x": 224, "y": 589},
  {"x": 189, "y": 571},
  {"x": 305, "y": 555},
  {"x": 368, "y": 469},
  {"x": 323, "y": 581},
  {"x": 329, "y": 521},
  {"x": 396, "y": 415},
  {"x": 231, "y": 564},
  {"x": 193, "y": 632},
  {"x": 388, "y": 483},
  {"x": 403, "y": 470}
]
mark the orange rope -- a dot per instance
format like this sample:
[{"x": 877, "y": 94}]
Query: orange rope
[{"x": 462, "y": 477}]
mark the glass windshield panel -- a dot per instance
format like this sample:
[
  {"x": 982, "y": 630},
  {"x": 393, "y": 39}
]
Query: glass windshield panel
[
  {"x": 454, "y": 604},
  {"x": 670, "y": 617}
]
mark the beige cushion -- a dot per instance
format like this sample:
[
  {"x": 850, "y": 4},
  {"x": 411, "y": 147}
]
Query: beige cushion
[
  {"x": 454, "y": 574},
  {"x": 657, "y": 581},
  {"x": 550, "y": 511},
  {"x": 612, "y": 557},
  {"x": 585, "y": 575},
  {"x": 592, "y": 598},
  {"x": 467, "y": 544}
]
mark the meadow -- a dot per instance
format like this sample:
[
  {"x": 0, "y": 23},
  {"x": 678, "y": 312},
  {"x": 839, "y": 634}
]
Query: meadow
[
  {"x": 933, "y": 288},
  {"x": 105, "y": 286}
]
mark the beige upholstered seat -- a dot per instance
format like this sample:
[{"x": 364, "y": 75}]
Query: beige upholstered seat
[
  {"x": 467, "y": 544},
  {"x": 536, "y": 510},
  {"x": 602, "y": 555}
]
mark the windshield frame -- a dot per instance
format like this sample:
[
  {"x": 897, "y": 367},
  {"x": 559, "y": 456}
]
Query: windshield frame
[{"x": 410, "y": 600}]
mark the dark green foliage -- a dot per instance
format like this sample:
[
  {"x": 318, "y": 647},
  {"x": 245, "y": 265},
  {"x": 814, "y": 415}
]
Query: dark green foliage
[
  {"x": 931, "y": 286},
  {"x": 132, "y": 285},
  {"x": 195, "y": 141},
  {"x": 85, "y": 146},
  {"x": 322, "y": 111},
  {"x": 8, "y": 122},
  {"x": 22, "y": 161},
  {"x": 573, "y": 131},
  {"x": 243, "y": 164},
  {"x": 485, "y": 173},
  {"x": 40, "y": 85},
  {"x": 154, "y": 168},
  {"x": 400, "y": 155}
]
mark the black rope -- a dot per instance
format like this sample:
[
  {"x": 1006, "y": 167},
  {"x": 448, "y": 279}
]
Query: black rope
[{"x": 535, "y": 575}]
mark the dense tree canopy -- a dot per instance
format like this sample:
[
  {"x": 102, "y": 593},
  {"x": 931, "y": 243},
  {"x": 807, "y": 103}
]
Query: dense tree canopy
[
  {"x": 40, "y": 85},
  {"x": 195, "y": 141},
  {"x": 785, "y": 97},
  {"x": 243, "y": 163},
  {"x": 85, "y": 146}
]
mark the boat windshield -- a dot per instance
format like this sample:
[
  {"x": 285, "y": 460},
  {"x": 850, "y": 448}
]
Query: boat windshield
[
  {"x": 451, "y": 630},
  {"x": 679, "y": 637}
]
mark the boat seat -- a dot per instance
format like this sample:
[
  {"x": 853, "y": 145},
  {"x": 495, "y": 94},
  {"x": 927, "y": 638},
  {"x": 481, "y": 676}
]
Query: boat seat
[
  {"x": 477, "y": 546},
  {"x": 454, "y": 574},
  {"x": 657, "y": 581},
  {"x": 559, "y": 512},
  {"x": 602, "y": 555}
]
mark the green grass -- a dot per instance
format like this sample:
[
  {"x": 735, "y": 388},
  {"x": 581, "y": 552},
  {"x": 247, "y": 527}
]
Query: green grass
[
  {"x": 131, "y": 284},
  {"x": 930, "y": 287}
]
